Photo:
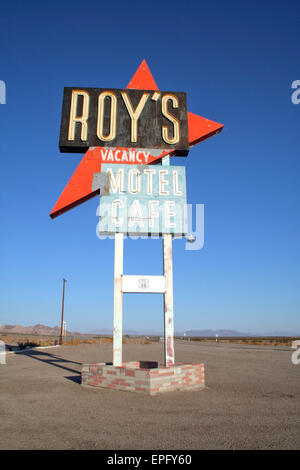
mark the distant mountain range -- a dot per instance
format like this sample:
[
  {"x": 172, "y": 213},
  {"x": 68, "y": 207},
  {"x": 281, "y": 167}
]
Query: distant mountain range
[
  {"x": 205, "y": 333},
  {"x": 212, "y": 333},
  {"x": 55, "y": 331},
  {"x": 105, "y": 331},
  {"x": 35, "y": 330}
]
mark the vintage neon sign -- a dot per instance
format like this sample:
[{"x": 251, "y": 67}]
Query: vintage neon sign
[
  {"x": 80, "y": 186},
  {"x": 94, "y": 117}
]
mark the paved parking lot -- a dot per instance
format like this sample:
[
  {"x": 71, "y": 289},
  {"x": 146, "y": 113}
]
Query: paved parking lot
[{"x": 252, "y": 401}]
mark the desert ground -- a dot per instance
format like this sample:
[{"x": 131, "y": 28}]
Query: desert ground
[{"x": 251, "y": 401}]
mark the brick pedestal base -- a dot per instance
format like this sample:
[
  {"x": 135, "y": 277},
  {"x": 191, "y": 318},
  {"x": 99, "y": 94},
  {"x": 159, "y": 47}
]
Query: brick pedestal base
[{"x": 143, "y": 377}]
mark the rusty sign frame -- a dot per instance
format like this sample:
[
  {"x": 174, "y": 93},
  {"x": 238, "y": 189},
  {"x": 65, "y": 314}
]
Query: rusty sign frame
[{"x": 167, "y": 291}]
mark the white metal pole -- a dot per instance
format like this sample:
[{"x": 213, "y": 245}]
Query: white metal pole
[
  {"x": 118, "y": 300},
  {"x": 169, "y": 352}
]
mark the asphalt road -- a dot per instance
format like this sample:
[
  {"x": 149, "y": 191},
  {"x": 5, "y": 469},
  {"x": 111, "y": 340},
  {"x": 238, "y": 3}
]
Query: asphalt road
[{"x": 252, "y": 401}]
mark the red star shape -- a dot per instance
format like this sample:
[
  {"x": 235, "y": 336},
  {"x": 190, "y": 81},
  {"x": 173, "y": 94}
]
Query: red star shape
[{"x": 79, "y": 188}]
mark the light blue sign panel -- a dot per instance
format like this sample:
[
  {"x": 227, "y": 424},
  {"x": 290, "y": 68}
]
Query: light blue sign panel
[{"x": 144, "y": 200}]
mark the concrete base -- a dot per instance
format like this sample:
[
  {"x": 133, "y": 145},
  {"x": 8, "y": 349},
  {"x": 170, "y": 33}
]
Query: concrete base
[{"x": 143, "y": 377}]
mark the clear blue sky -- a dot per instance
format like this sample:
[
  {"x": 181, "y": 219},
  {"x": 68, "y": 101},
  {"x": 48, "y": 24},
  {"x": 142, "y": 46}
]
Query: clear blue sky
[{"x": 236, "y": 61}]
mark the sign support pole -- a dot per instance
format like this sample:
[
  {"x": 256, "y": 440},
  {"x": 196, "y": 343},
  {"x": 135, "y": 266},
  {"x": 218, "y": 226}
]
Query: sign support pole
[
  {"x": 169, "y": 355},
  {"x": 118, "y": 300},
  {"x": 169, "y": 352}
]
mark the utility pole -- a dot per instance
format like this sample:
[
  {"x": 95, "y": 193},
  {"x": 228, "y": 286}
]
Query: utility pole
[{"x": 62, "y": 312}]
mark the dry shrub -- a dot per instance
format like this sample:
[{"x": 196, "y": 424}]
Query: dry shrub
[
  {"x": 46, "y": 342},
  {"x": 106, "y": 340},
  {"x": 27, "y": 344},
  {"x": 90, "y": 341},
  {"x": 33, "y": 344},
  {"x": 137, "y": 341},
  {"x": 77, "y": 341},
  {"x": 28, "y": 341},
  {"x": 72, "y": 342},
  {"x": 254, "y": 341}
]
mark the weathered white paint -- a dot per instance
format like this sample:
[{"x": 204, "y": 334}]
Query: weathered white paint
[
  {"x": 118, "y": 300},
  {"x": 169, "y": 355}
]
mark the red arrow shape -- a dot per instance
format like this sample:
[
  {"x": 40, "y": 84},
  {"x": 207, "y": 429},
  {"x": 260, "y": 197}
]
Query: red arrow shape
[{"x": 79, "y": 188}]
